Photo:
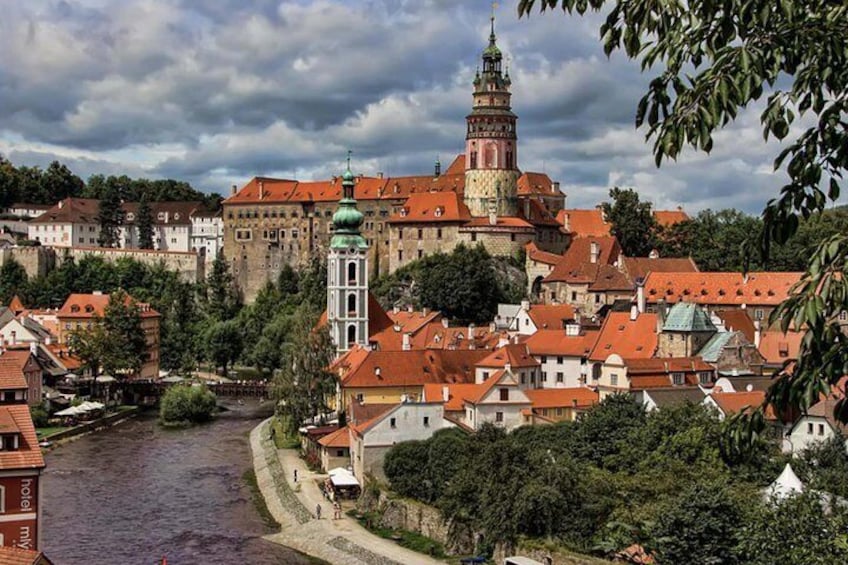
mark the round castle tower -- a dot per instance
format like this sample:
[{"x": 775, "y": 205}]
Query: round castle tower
[{"x": 491, "y": 143}]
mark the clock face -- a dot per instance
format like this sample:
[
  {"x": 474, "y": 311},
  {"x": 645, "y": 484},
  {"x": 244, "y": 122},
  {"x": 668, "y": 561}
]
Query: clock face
[{"x": 352, "y": 251}]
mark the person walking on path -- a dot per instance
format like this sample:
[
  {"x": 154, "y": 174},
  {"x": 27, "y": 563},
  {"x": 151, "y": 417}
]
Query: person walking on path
[
  {"x": 337, "y": 511},
  {"x": 318, "y": 512},
  {"x": 295, "y": 475}
]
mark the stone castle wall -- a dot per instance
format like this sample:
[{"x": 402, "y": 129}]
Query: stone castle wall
[
  {"x": 481, "y": 185},
  {"x": 38, "y": 261}
]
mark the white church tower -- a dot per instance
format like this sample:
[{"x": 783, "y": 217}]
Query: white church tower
[{"x": 347, "y": 273}]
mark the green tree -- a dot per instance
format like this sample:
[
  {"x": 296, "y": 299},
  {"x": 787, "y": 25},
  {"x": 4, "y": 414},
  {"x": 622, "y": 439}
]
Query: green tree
[
  {"x": 222, "y": 296},
  {"x": 13, "y": 280},
  {"x": 58, "y": 183},
  {"x": 288, "y": 281},
  {"x": 88, "y": 344},
  {"x": 223, "y": 343},
  {"x": 631, "y": 221},
  {"x": 716, "y": 59},
  {"x": 305, "y": 382},
  {"x": 124, "y": 349},
  {"x": 9, "y": 183},
  {"x": 696, "y": 527},
  {"x": 144, "y": 223},
  {"x": 110, "y": 216},
  {"x": 187, "y": 404}
]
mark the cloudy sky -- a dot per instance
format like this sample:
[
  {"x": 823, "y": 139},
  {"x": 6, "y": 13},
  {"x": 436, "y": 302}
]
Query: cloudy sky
[{"x": 215, "y": 92}]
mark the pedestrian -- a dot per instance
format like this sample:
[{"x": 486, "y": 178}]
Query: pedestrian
[
  {"x": 318, "y": 512},
  {"x": 295, "y": 475},
  {"x": 337, "y": 511}
]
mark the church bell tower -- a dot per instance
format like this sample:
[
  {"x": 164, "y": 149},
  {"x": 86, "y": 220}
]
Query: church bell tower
[
  {"x": 347, "y": 272},
  {"x": 491, "y": 141}
]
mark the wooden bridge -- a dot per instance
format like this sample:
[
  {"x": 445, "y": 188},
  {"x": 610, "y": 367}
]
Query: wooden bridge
[{"x": 235, "y": 389}]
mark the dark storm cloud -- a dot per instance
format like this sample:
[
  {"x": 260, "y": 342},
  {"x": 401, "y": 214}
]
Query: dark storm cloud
[{"x": 217, "y": 92}]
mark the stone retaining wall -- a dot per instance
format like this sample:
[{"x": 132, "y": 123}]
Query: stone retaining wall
[{"x": 87, "y": 427}]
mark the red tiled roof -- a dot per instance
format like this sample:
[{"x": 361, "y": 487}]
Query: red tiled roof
[
  {"x": 482, "y": 389},
  {"x": 556, "y": 342},
  {"x": 667, "y": 218},
  {"x": 16, "y": 418},
  {"x": 90, "y": 305},
  {"x": 738, "y": 320},
  {"x": 413, "y": 321},
  {"x": 12, "y": 364},
  {"x": 71, "y": 210},
  {"x": 642, "y": 382},
  {"x": 536, "y": 254},
  {"x": 576, "y": 265},
  {"x": 339, "y": 438},
  {"x": 360, "y": 368},
  {"x": 584, "y": 223},
  {"x": 666, "y": 365},
  {"x": 432, "y": 207},
  {"x": 778, "y": 347},
  {"x": 361, "y": 427},
  {"x": 63, "y": 354},
  {"x": 639, "y": 267},
  {"x": 630, "y": 339},
  {"x": 732, "y": 289},
  {"x": 734, "y": 402},
  {"x": 18, "y": 556},
  {"x": 516, "y": 354},
  {"x": 500, "y": 222},
  {"x": 16, "y": 306},
  {"x": 536, "y": 214},
  {"x": 580, "y": 397},
  {"x": 536, "y": 184},
  {"x": 550, "y": 316},
  {"x": 608, "y": 278},
  {"x": 457, "y": 167},
  {"x": 457, "y": 394},
  {"x": 435, "y": 336}
]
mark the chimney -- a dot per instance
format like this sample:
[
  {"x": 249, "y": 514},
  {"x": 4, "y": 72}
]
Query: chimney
[
  {"x": 640, "y": 294},
  {"x": 566, "y": 224},
  {"x": 574, "y": 402},
  {"x": 504, "y": 340},
  {"x": 556, "y": 186},
  {"x": 445, "y": 323},
  {"x": 654, "y": 254},
  {"x": 261, "y": 190},
  {"x": 493, "y": 219},
  {"x": 233, "y": 190},
  {"x": 409, "y": 308},
  {"x": 660, "y": 315},
  {"x": 634, "y": 312},
  {"x": 33, "y": 348},
  {"x": 396, "y": 309},
  {"x": 438, "y": 170},
  {"x": 594, "y": 252},
  {"x": 425, "y": 311},
  {"x": 407, "y": 342},
  {"x": 525, "y": 305},
  {"x": 492, "y": 327},
  {"x": 758, "y": 334},
  {"x": 471, "y": 328},
  {"x": 48, "y": 340},
  {"x": 508, "y": 367},
  {"x": 14, "y": 337},
  {"x": 97, "y": 293},
  {"x": 445, "y": 393},
  {"x": 377, "y": 371},
  {"x": 61, "y": 204}
]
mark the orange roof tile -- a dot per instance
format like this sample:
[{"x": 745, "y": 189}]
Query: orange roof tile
[
  {"x": 432, "y": 207},
  {"x": 16, "y": 418},
  {"x": 536, "y": 184},
  {"x": 435, "y": 336},
  {"x": 16, "y": 306},
  {"x": 533, "y": 212},
  {"x": 361, "y": 411},
  {"x": 584, "y": 223},
  {"x": 540, "y": 256},
  {"x": 642, "y": 382},
  {"x": 339, "y": 438},
  {"x": 457, "y": 394},
  {"x": 500, "y": 222},
  {"x": 515, "y": 354},
  {"x": 66, "y": 358},
  {"x": 665, "y": 365},
  {"x": 71, "y": 210},
  {"x": 360, "y": 368},
  {"x": 413, "y": 321},
  {"x": 667, "y": 218},
  {"x": 580, "y": 397},
  {"x": 630, "y": 339},
  {"x": 639, "y": 267},
  {"x": 18, "y": 556},
  {"x": 457, "y": 167},
  {"x": 90, "y": 305},
  {"x": 734, "y": 402},
  {"x": 738, "y": 320},
  {"x": 730, "y": 289},
  {"x": 550, "y": 316},
  {"x": 576, "y": 264},
  {"x": 496, "y": 379},
  {"x": 778, "y": 347},
  {"x": 556, "y": 342}
]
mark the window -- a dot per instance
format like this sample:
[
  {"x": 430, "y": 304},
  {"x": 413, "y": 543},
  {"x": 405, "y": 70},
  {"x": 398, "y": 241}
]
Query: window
[
  {"x": 351, "y": 304},
  {"x": 400, "y": 255},
  {"x": 393, "y": 422},
  {"x": 544, "y": 358},
  {"x": 821, "y": 429},
  {"x": 294, "y": 233},
  {"x": 678, "y": 378},
  {"x": 400, "y": 233},
  {"x": 420, "y": 253},
  {"x": 504, "y": 392},
  {"x": 704, "y": 378},
  {"x": 359, "y": 397},
  {"x": 499, "y": 417},
  {"x": 614, "y": 379},
  {"x": 559, "y": 411},
  {"x": 340, "y": 453},
  {"x": 559, "y": 359},
  {"x": 544, "y": 376},
  {"x": 759, "y": 314},
  {"x": 420, "y": 233},
  {"x": 809, "y": 429},
  {"x": 244, "y": 235},
  {"x": 559, "y": 376},
  {"x": 351, "y": 335},
  {"x": 523, "y": 378},
  {"x": 597, "y": 299},
  {"x": 351, "y": 273},
  {"x": 843, "y": 316},
  {"x": 426, "y": 421},
  {"x": 439, "y": 234},
  {"x": 473, "y": 237},
  {"x": 485, "y": 375}
]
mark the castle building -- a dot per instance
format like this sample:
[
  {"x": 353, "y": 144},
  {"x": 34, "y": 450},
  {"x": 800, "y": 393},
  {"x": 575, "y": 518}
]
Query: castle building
[
  {"x": 347, "y": 273},
  {"x": 480, "y": 198}
]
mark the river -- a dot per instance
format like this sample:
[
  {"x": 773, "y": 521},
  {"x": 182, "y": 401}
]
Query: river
[{"x": 137, "y": 492}]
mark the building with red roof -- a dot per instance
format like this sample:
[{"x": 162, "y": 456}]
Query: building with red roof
[
  {"x": 511, "y": 357},
  {"x": 335, "y": 449},
  {"x": 81, "y": 311},
  {"x": 531, "y": 318},
  {"x": 20, "y": 376},
  {"x": 563, "y": 355},
  {"x": 18, "y": 556},
  {"x": 561, "y": 404},
  {"x": 592, "y": 222},
  {"x": 21, "y": 465},
  {"x": 625, "y": 375}
]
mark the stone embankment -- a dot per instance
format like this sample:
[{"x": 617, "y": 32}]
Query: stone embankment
[{"x": 293, "y": 505}]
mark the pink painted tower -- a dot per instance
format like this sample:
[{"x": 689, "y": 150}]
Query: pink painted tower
[{"x": 491, "y": 143}]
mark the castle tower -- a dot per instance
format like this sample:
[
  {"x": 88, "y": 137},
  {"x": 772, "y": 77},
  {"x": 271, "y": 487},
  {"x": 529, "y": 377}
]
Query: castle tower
[
  {"x": 491, "y": 148},
  {"x": 347, "y": 273}
]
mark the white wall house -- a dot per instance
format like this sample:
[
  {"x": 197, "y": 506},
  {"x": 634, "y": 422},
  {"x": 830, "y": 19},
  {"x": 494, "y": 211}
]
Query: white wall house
[
  {"x": 207, "y": 234},
  {"x": 369, "y": 442},
  {"x": 499, "y": 401},
  {"x": 816, "y": 426}
]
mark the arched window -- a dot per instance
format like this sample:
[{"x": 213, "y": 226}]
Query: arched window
[
  {"x": 351, "y": 335},
  {"x": 509, "y": 159},
  {"x": 473, "y": 158},
  {"x": 491, "y": 156},
  {"x": 351, "y": 273},
  {"x": 351, "y": 304}
]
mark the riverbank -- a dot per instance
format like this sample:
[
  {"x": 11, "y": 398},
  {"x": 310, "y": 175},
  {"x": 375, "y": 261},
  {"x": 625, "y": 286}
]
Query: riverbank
[
  {"x": 343, "y": 541},
  {"x": 58, "y": 438}
]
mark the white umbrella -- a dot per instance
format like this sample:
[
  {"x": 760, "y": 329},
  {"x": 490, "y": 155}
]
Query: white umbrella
[{"x": 72, "y": 411}]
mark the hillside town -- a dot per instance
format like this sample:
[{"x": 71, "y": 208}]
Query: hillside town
[{"x": 584, "y": 387}]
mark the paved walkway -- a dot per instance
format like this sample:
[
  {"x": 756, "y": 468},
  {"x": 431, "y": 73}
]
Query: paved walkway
[{"x": 342, "y": 541}]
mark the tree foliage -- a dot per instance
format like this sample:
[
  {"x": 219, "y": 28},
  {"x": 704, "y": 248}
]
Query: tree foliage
[
  {"x": 187, "y": 404},
  {"x": 631, "y": 221},
  {"x": 717, "y": 58},
  {"x": 223, "y": 343},
  {"x": 144, "y": 223},
  {"x": 110, "y": 217},
  {"x": 13, "y": 280}
]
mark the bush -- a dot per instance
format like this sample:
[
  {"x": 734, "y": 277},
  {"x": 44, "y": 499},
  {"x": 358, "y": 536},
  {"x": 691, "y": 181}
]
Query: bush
[
  {"x": 39, "y": 416},
  {"x": 187, "y": 404}
]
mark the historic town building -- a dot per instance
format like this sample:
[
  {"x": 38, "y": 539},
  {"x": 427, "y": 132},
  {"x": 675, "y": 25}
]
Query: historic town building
[{"x": 481, "y": 197}]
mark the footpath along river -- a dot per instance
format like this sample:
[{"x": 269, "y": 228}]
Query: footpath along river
[{"x": 137, "y": 492}]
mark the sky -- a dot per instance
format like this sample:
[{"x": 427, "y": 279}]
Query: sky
[{"x": 215, "y": 93}]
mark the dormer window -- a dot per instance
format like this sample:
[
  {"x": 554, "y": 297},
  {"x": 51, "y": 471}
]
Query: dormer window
[
  {"x": 161, "y": 216},
  {"x": 404, "y": 211},
  {"x": 678, "y": 378},
  {"x": 439, "y": 211},
  {"x": 89, "y": 308},
  {"x": 75, "y": 308},
  {"x": 10, "y": 442},
  {"x": 130, "y": 217}
]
